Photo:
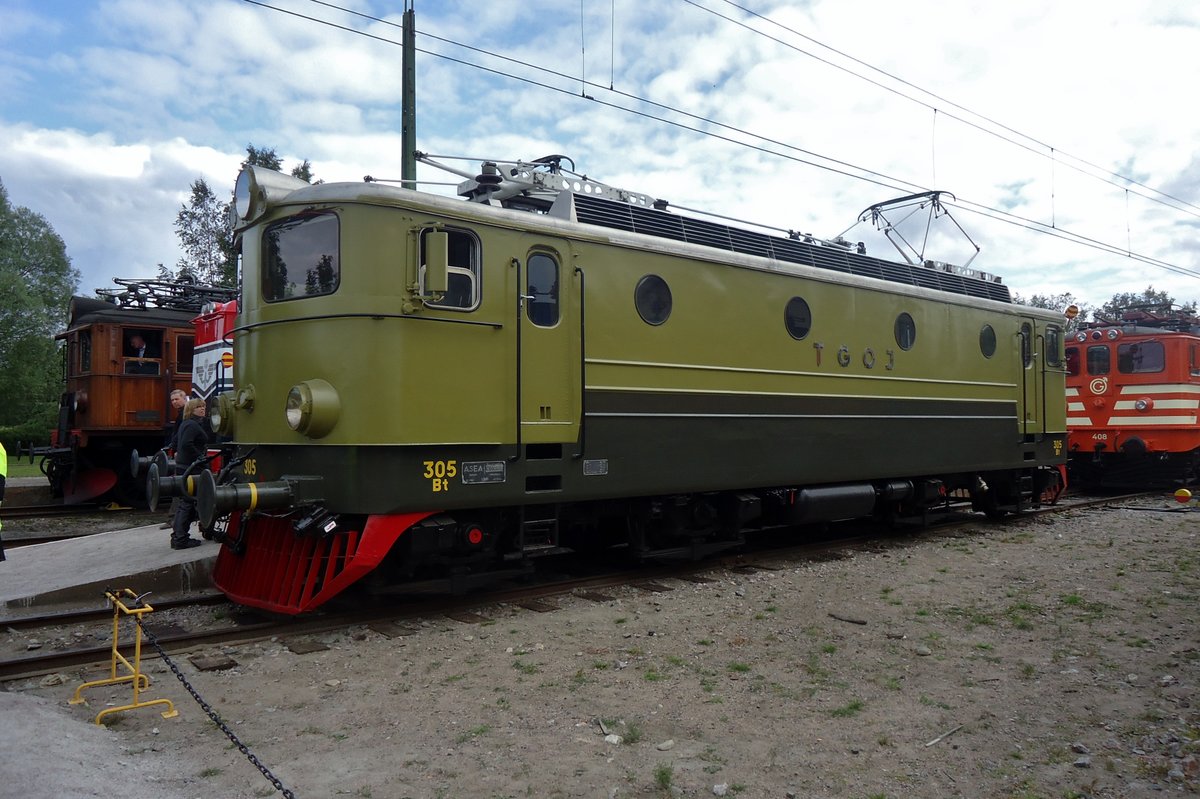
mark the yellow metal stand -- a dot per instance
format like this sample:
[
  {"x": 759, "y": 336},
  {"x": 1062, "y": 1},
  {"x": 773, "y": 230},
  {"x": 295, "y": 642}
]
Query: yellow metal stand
[{"x": 140, "y": 681}]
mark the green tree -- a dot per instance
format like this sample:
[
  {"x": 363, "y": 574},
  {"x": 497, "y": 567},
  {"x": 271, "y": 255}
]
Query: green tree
[
  {"x": 1151, "y": 301},
  {"x": 36, "y": 282},
  {"x": 206, "y": 238},
  {"x": 1057, "y": 302},
  {"x": 264, "y": 157},
  {"x": 205, "y": 229},
  {"x": 303, "y": 171}
]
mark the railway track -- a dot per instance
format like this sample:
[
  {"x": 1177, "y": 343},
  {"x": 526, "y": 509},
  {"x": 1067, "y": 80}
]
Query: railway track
[
  {"x": 42, "y": 523},
  {"x": 240, "y": 625},
  {"x": 8, "y": 512}
]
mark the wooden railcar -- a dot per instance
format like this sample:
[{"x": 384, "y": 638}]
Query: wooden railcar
[
  {"x": 426, "y": 384},
  {"x": 124, "y": 353}
]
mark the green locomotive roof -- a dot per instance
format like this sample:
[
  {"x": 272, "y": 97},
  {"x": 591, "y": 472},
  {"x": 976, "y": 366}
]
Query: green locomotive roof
[
  {"x": 544, "y": 186},
  {"x": 593, "y": 210}
]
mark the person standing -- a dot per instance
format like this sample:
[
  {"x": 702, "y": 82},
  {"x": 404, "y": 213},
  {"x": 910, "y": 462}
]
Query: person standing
[
  {"x": 178, "y": 400},
  {"x": 191, "y": 445},
  {"x": 3, "y": 480}
]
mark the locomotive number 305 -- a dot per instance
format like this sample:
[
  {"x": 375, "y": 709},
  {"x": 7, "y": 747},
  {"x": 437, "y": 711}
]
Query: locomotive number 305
[{"x": 438, "y": 473}]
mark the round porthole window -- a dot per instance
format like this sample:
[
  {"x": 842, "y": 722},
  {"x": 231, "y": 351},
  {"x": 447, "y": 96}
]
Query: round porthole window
[
  {"x": 798, "y": 318},
  {"x": 987, "y": 341},
  {"x": 906, "y": 331},
  {"x": 653, "y": 299}
]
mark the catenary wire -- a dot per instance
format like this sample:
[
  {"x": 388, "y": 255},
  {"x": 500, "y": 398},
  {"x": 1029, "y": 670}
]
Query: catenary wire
[
  {"x": 883, "y": 180},
  {"x": 1042, "y": 149}
]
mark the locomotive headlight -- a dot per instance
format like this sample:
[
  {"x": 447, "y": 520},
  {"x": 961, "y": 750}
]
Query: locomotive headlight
[
  {"x": 1143, "y": 404},
  {"x": 256, "y": 188},
  {"x": 220, "y": 418},
  {"x": 245, "y": 192},
  {"x": 313, "y": 408},
  {"x": 1112, "y": 334}
]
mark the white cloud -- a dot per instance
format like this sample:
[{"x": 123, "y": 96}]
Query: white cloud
[{"x": 110, "y": 119}]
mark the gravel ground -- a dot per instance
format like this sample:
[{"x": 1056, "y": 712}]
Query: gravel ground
[{"x": 1052, "y": 657}]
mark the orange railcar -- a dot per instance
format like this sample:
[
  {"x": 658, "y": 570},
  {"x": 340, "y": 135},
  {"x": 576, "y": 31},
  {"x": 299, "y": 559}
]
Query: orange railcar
[
  {"x": 1133, "y": 401},
  {"x": 117, "y": 394}
]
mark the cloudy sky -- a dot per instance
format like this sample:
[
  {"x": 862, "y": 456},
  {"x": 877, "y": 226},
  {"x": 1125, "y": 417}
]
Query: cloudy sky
[{"x": 1065, "y": 131}]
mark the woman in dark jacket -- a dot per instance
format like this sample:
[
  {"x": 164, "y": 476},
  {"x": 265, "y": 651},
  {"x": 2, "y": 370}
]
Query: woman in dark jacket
[{"x": 191, "y": 445}]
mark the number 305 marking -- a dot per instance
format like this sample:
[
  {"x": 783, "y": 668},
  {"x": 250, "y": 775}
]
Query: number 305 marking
[
  {"x": 249, "y": 467},
  {"x": 438, "y": 473}
]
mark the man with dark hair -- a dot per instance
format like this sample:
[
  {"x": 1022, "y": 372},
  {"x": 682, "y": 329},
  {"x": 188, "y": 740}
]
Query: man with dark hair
[{"x": 137, "y": 347}]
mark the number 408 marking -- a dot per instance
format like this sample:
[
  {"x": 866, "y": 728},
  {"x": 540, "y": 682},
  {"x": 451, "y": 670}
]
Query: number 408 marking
[{"x": 438, "y": 473}]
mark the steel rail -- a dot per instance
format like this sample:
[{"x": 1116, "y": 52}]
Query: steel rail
[{"x": 853, "y": 537}]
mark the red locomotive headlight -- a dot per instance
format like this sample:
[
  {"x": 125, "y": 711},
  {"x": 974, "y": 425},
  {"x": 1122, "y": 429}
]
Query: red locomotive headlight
[
  {"x": 1143, "y": 404},
  {"x": 473, "y": 535}
]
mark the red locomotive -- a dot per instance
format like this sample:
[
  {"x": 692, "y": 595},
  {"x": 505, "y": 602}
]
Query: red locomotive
[
  {"x": 1133, "y": 394},
  {"x": 212, "y": 369}
]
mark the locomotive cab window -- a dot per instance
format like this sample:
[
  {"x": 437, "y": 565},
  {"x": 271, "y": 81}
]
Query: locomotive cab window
[
  {"x": 301, "y": 257},
  {"x": 142, "y": 351},
  {"x": 1053, "y": 346},
  {"x": 462, "y": 274},
  {"x": 1072, "y": 361},
  {"x": 185, "y": 347},
  {"x": 85, "y": 352},
  {"x": 541, "y": 293},
  {"x": 1098, "y": 360},
  {"x": 1026, "y": 344},
  {"x": 1141, "y": 357}
]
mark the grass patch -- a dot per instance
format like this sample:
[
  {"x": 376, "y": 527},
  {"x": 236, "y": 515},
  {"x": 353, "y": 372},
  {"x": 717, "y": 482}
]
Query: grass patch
[
  {"x": 18, "y": 467},
  {"x": 1018, "y": 614},
  {"x": 847, "y": 710},
  {"x": 474, "y": 732},
  {"x": 664, "y": 775}
]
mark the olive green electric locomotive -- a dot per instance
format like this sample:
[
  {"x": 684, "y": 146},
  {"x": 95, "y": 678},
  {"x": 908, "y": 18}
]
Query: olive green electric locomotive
[{"x": 427, "y": 385}]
